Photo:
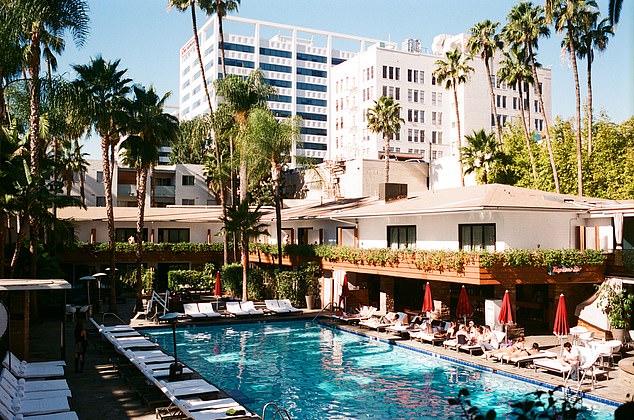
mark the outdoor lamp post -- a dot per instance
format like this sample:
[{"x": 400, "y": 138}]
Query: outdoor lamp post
[{"x": 176, "y": 369}]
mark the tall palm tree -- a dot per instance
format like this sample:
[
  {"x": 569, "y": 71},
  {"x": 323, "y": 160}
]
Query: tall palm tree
[
  {"x": 515, "y": 71},
  {"x": 385, "y": 118},
  {"x": 481, "y": 154},
  {"x": 221, "y": 8},
  {"x": 37, "y": 18},
  {"x": 273, "y": 141},
  {"x": 453, "y": 70},
  {"x": 102, "y": 88},
  {"x": 565, "y": 14},
  {"x": 485, "y": 41},
  {"x": 149, "y": 127},
  {"x": 595, "y": 35},
  {"x": 526, "y": 24}
]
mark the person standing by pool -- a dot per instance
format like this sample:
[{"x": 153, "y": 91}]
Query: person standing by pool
[{"x": 81, "y": 343}]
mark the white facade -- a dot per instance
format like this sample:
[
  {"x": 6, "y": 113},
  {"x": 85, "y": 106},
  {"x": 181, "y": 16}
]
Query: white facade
[
  {"x": 294, "y": 61},
  {"x": 429, "y": 130}
]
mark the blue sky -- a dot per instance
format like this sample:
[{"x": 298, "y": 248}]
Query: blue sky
[{"x": 147, "y": 37}]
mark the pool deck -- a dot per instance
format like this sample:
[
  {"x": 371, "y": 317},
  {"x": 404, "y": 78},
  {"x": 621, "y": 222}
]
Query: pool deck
[{"x": 102, "y": 392}]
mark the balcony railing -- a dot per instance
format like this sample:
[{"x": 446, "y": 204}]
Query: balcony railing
[
  {"x": 165, "y": 191},
  {"x": 126, "y": 189}
]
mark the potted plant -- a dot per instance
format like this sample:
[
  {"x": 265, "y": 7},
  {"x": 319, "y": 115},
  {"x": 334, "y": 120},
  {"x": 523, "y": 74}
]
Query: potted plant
[
  {"x": 311, "y": 276},
  {"x": 618, "y": 305}
]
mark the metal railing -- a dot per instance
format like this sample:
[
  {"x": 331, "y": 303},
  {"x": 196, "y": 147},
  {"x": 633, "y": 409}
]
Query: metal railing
[
  {"x": 279, "y": 411},
  {"x": 103, "y": 317},
  {"x": 322, "y": 309}
]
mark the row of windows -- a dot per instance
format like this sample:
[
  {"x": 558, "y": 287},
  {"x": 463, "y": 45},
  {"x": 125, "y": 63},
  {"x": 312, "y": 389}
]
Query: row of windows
[
  {"x": 275, "y": 67},
  {"x": 416, "y": 96},
  {"x": 275, "y": 53},
  {"x": 311, "y": 86},
  {"x": 281, "y": 98},
  {"x": 312, "y": 146},
  {"x": 311, "y": 72},
  {"x": 312, "y": 58},
  {"x": 392, "y": 73},
  {"x": 314, "y": 131},
  {"x": 436, "y": 117},
  {"x": 311, "y": 101},
  {"x": 415, "y": 115},
  {"x": 415, "y": 135},
  {"x": 471, "y": 237},
  {"x": 312, "y": 117},
  {"x": 436, "y": 98},
  {"x": 229, "y": 46},
  {"x": 367, "y": 94},
  {"x": 279, "y": 83},
  {"x": 415, "y": 76},
  {"x": 392, "y": 92},
  {"x": 368, "y": 73},
  {"x": 232, "y": 62}
]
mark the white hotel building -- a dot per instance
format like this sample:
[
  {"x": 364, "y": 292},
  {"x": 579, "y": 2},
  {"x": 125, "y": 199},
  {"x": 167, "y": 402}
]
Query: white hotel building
[
  {"x": 297, "y": 61},
  {"x": 429, "y": 130}
]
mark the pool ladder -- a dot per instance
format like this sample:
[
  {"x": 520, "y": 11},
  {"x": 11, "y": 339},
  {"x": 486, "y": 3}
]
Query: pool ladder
[
  {"x": 278, "y": 411},
  {"x": 322, "y": 310}
]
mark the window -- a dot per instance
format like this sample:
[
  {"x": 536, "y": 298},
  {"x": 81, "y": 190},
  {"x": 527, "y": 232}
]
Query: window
[
  {"x": 101, "y": 201},
  {"x": 385, "y": 72},
  {"x": 188, "y": 201},
  {"x": 399, "y": 237},
  {"x": 477, "y": 237},
  {"x": 409, "y": 95},
  {"x": 409, "y": 134},
  {"x": 433, "y": 80},
  {"x": 173, "y": 235},
  {"x": 188, "y": 179},
  {"x": 99, "y": 176},
  {"x": 422, "y": 136},
  {"x": 122, "y": 234},
  {"x": 398, "y": 73}
]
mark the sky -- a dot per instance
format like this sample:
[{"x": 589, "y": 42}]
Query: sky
[{"x": 146, "y": 37}]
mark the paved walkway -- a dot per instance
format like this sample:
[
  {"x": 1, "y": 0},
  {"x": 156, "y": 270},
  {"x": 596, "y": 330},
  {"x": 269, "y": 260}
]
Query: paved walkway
[{"x": 99, "y": 392}]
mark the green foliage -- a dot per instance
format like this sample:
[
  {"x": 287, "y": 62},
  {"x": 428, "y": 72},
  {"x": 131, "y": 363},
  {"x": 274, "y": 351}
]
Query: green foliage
[
  {"x": 179, "y": 280},
  {"x": 470, "y": 411},
  {"x": 231, "y": 276},
  {"x": 255, "y": 284},
  {"x": 618, "y": 305},
  {"x": 149, "y": 247},
  {"x": 128, "y": 278}
]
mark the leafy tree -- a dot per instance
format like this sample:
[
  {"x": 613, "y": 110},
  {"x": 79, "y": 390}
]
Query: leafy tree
[
  {"x": 485, "y": 42},
  {"x": 515, "y": 70},
  {"x": 192, "y": 142},
  {"x": 102, "y": 87},
  {"x": 384, "y": 118},
  {"x": 481, "y": 155},
  {"x": 149, "y": 127},
  {"x": 247, "y": 222},
  {"x": 453, "y": 70},
  {"x": 526, "y": 24}
]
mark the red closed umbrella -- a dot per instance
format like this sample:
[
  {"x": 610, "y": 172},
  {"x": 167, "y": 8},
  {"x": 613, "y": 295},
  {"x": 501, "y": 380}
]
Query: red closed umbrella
[
  {"x": 464, "y": 309},
  {"x": 561, "y": 319},
  {"x": 345, "y": 292},
  {"x": 506, "y": 312},
  {"x": 428, "y": 303},
  {"x": 218, "y": 287}
]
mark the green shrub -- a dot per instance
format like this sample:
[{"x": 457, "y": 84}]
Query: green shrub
[
  {"x": 178, "y": 280},
  {"x": 255, "y": 284},
  {"x": 231, "y": 276}
]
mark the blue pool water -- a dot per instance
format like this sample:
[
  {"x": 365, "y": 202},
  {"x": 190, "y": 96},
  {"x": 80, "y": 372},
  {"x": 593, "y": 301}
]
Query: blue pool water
[{"x": 316, "y": 372}]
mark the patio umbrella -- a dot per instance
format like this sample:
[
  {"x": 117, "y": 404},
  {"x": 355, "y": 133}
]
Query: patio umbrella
[
  {"x": 87, "y": 279},
  {"x": 506, "y": 313},
  {"x": 218, "y": 286},
  {"x": 345, "y": 292},
  {"x": 464, "y": 309},
  {"x": 560, "y": 328},
  {"x": 428, "y": 303}
]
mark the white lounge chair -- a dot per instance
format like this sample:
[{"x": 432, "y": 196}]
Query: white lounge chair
[
  {"x": 33, "y": 385},
  {"x": 273, "y": 305},
  {"x": 234, "y": 309},
  {"x": 196, "y": 404},
  {"x": 286, "y": 303},
  {"x": 249, "y": 307},
  {"x": 552, "y": 365},
  {"x": 587, "y": 366},
  {"x": 27, "y": 407},
  {"x": 192, "y": 311},
  {"x": 5, "y": 413},
  {"x": 23, "y": 369},
  {"x": 187, "y": 387},
  {"x": 221, "y": 413},
  {"x": 17, "y": 361},
  {"x": 207, "y": 309},
  {"x": 519, "y": 360},
  {"x": 365, "y": 313}
]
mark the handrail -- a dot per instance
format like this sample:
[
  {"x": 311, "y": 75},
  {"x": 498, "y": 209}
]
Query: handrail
[
  {"x": 322, "y": 309},
  {"x": 278, "y": 411},
  {"x": 103, "y": 317}
]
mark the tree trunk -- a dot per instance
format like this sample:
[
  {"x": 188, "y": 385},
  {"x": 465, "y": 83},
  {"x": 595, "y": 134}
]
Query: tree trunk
[
  {"x": 455, "y": 98},
  {"x": 19, "y": 241},
  {"x": 275, "y": 176},
  {"x": 3, "y": 241},
  {"x": 575, "y": 72},
  {"x": 245, "y": 265},
  {"x": 222, "y": 45},
  {"x": 200, "y": 57},
  {"x": 543, "y": 109},
  {"x": 498, "y": 129},
  {"x": 107, "y": 184},
  {"x": 590, "y": 116},
  {"x": 142, "y": 175},
  {"x": 527, "y": 136},
  {"x": 386, "y": 138},
  {"x": 3, "y": 105}
]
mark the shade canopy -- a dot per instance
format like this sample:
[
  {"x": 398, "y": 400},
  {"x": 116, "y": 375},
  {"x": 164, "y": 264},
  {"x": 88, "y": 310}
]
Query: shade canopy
[
  {"x": 428, "y": 303},
  {"x": 561, "y": 318},
  {"x": 218, "y": 285},
  {"x": 506, "y": 312},
  {"x": 87, "y": 278},
  {"x": 464, "y": 309}
]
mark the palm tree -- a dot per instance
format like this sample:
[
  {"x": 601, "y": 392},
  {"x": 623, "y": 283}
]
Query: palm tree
[
  {"x": 453, "y": 70},
  {"x": 220, "y": 8},
  {"x": 515, "y": 71},
  {"x": 565, "y": 16},
  {"x": 385, "y": 118},
  {"x": 595, "y": 35},
  {"x": 102, "y": 88},
  {"x": 245, "y": 221},
  {"x": 481, "y": 154},
  {"x": 615, "y": 11},
  {"x": 273, "y": 141},
  {"x": 149, "y": 128},
  {"x": 526, "y": 24},
  {"x": 485, "y": 41}
]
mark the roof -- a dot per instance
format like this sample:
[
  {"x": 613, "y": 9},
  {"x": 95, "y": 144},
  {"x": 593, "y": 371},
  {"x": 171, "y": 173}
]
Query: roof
[
  {"x": 33, "y": 284},
  {"x": 477, "y": 197},
  {"x": 191, "y": 214}
]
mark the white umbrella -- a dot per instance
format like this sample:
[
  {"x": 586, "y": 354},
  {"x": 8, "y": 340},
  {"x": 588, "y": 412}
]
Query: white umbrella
[{"x": 88, "y": 279}]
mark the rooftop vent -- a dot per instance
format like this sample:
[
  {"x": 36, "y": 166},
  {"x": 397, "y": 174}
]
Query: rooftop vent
[{"x": 412, "y": 45}]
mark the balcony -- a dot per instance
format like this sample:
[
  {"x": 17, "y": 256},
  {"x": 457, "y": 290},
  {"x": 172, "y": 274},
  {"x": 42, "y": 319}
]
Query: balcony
[
  {"x": 168, "y": 191},
  {"x": 126, "y": 190}
]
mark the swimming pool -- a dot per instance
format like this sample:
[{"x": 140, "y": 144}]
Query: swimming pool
[{"x": 317, "y": 372}]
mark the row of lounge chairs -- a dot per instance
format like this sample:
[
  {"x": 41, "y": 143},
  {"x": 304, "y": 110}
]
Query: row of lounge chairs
[
  {"x": 205, "y": 310},
  {"x": 35, "y": 391},
  {"x": 195, "y": 398}
]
